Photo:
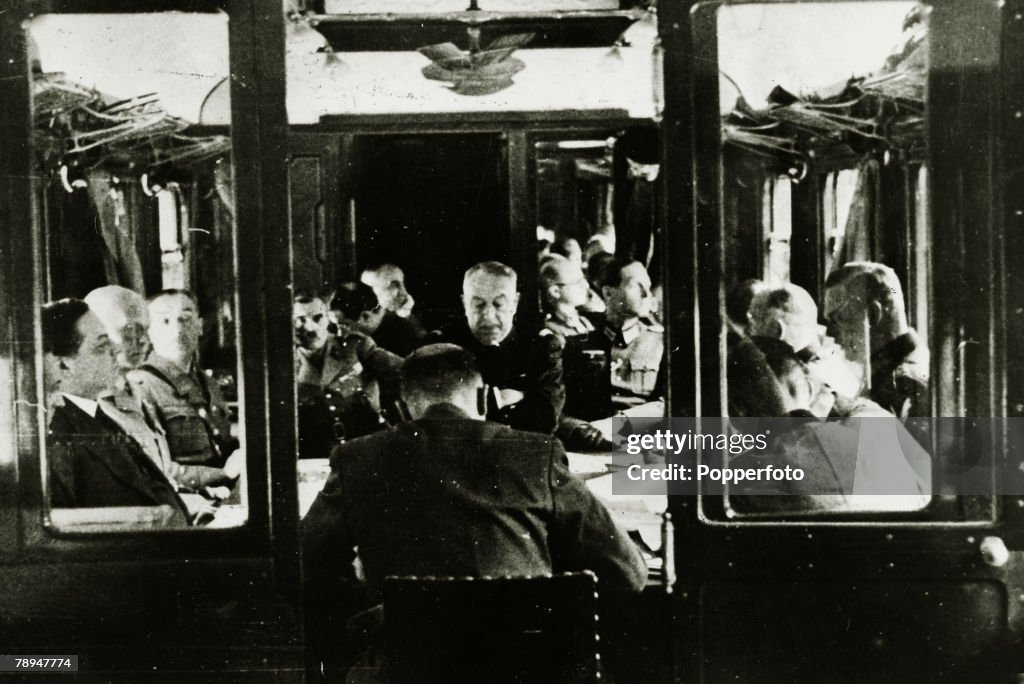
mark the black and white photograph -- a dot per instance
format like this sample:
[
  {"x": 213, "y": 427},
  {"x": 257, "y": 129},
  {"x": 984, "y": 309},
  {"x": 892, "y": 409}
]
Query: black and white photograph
[{"x": 511, "y": 341}]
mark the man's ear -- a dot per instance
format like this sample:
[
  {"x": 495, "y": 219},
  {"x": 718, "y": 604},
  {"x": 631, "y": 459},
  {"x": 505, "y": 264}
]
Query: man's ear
[
  {"x": 874, "y": 313},
  {"x": 607, "y": 292},
  {"x": 555, "y": 291},
  {"x": 515, "y": 301}
]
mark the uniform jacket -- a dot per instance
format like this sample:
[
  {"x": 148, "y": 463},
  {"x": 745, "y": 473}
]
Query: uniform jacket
[
  {"x": 448, "y": 495},
  {"x": 139, "y": 420},
  {"x": 344, "y": 398},
  {"x": 189, "y": 407},
  {"x": 530, "y": 363},
  {"x": 637, "y": 356},
  {"x": 93, "y": 463},
  {"x": 585, "y": 369}
]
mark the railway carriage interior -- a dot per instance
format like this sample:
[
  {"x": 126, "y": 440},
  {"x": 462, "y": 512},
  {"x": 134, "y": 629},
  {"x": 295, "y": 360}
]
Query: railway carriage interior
[{"x": 771, "y": 148}]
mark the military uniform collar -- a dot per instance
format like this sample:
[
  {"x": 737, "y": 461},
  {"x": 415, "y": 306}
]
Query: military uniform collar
[
  {"x": 169, "y": 368},
  {"x": 629, "y": 331}
]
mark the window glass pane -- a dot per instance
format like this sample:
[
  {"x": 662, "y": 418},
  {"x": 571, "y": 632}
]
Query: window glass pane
[
  {"x": 139, "y": 333},
  {"x": 808, "y": 115}
]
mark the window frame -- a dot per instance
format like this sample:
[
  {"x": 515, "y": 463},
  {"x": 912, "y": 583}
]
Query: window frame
[{"x": 264, "y": 314}]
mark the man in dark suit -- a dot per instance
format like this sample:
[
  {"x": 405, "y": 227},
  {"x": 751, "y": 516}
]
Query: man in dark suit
[
  {"x": 399, "y": 331},
  {"x": 92, "y": 461},
  {"x": 522, "y": 368},
  {"x": 452, "y": 494}
]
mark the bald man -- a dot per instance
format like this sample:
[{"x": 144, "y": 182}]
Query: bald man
[{"x": 124, "y": 314}]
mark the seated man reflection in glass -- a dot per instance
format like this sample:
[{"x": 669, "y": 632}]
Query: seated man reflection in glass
[
  {"x": 852, "y": 464},
  {"x": 93, "y": 462},
  {"x": 188, "y": 401},
  {"x": 126, "y": 317}
]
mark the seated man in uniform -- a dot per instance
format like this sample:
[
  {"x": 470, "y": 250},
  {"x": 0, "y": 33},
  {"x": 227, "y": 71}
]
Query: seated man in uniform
[
  {"x": 522, "y": 368},
  {"x": 399, "y": 331},
  {"x": 337, "y": 379},
  {"x": 125, "y": 316},
  {"x": 634, "y": 343},
  {"x": 563, "y": 289},
  {"x": 92, "y": 461},
  {"x": 464, "y": 497},
  {"x": 188, "y": 402},
  {"x": 865, "y": 312}
]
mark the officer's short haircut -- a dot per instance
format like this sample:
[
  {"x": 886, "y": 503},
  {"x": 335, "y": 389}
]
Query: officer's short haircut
[
  {"x": 549, "y": 269},
  {"x": 59, "y": 321},
  {"x": 173, "y": 292},
  {"x": 306, "y": 296},
  {"x": 352, "y": 298},
  {"x": 439, "y": 371},
  {"x": 495, "y": 269},
  {"x": 611, "y": 272},
  {"x": 877, "y": 281}
]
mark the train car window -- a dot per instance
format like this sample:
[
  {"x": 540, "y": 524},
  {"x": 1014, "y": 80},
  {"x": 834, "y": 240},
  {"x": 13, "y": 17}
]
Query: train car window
[
  {"x": 139, "y": 348},
  {"x": 837, "y": 198},
  {"x": 827, "y": 102},
  {"x": 777, "y": 229},
  {"x": 449, "y": 6}
]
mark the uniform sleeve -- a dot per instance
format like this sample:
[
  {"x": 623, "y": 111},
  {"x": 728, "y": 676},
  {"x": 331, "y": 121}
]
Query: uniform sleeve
[
  {"x": 583, "y": 536},
  {"x": 545, "y": 395}
]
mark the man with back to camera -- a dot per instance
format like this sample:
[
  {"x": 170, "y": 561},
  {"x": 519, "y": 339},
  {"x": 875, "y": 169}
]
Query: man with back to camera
[
  {"x": 189, "y": 403},
  {"x": 337, "y": 377},
  {"x": 125, "y": 316},
  {"x": 399, "y": 331},
  {"x": 92, "y": 461},
  {"x": 452, "y": 494},
  {"x": 865, "y": 312},
  {"x": 523, "y": 370}
]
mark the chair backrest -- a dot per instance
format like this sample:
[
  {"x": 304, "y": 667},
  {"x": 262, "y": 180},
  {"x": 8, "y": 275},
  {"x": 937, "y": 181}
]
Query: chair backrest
[{"x": 514, "y": 629}]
